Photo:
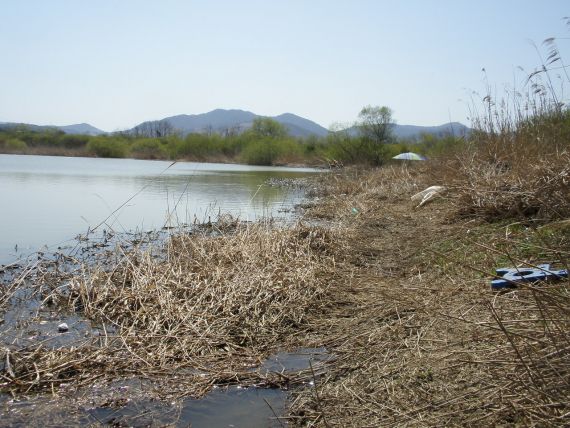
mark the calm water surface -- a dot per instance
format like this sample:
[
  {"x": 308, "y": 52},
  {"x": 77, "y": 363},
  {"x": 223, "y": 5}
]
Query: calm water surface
[{"x": 47, "y": 201}]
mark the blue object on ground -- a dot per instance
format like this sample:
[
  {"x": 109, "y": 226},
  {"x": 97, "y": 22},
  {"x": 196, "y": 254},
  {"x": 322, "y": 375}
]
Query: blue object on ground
[{"x": 511, "y": 277}]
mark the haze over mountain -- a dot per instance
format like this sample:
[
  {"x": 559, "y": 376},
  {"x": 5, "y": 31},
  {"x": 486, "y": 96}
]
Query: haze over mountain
[
  {"x": 79, "y": 128},
  {"x": 236, "y": 121},
  {"x": 223, "y": 121},
  {"x": 412, "y": 131},
  {"x": 415, "y": 131}
]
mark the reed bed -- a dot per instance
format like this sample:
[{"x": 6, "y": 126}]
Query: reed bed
[
  {"x": 515, "y": 164},
  {"x": 431, "y": 344},
  {"x": 521, "y": 186},
  {"x": 206, "y": 312},
  {"x": 422, "y": 340}
]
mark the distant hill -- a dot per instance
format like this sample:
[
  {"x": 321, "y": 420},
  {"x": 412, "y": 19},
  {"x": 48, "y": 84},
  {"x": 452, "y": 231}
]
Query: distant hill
[
  {"x": 412, "y": 131},
  {"x": 236, "y": 121},
  {"x": 301, "y": 125},
  {"x": 415, "y": 131},
  {"x": 80, "y": 128},
  {"x": 217, "y": 120},
  {"x": 36, "y": 128},
  {"x": 223, "y": 121}
]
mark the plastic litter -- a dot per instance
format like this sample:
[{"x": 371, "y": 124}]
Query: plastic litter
[
  {"x": 511, "y": 277},
  {"x": 63, "y": 327},
  {"x": 428, "y": 194}
]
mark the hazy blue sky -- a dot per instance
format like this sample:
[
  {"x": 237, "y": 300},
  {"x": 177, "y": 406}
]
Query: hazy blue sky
[{"x": 116, "y": 63}]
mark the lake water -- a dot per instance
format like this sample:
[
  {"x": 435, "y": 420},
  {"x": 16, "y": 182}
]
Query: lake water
[{"x": 48, "y": 201}]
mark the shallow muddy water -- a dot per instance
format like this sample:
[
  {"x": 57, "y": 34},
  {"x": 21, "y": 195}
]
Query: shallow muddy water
[
  {"x": 47, "y": 201},
  {"x": 127, "y": 404}
]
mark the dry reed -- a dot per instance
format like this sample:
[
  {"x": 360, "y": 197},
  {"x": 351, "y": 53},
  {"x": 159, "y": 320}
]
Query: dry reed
[
  {"x": 205, "y": 312},
  {"x": 421, "y": 340},
  {"x": 522, "y": 186}
]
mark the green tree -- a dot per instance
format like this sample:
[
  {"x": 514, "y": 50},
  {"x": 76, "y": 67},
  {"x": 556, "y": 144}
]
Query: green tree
[
  {"x": 15, "y": 145},
  {"x": 375, "y": 124},
  {"x": 265, "y": 127},
  {"x": 105, "y": 147}
]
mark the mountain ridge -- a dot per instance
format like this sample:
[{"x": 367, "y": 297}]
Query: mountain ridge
[
  {"x": 220, "y": 120},
  {"x": 232, "y": 121},
  {"x": 236, "y": 120},
  {"x": 74, "y": 129}
]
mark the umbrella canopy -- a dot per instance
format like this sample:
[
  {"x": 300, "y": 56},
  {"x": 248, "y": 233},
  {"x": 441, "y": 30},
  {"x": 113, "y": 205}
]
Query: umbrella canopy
[{"x": 409, "y": 156}]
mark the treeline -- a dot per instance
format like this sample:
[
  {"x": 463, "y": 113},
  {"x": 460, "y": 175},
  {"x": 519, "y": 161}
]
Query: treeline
[{"x": 265, "y": 143}]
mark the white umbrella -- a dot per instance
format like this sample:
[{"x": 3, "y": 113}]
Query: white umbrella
[{"x": 409, "y": 156}]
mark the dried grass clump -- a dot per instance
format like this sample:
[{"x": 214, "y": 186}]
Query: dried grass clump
[
  {"x": 207, "y": 311},
  {"x": 530, "y": 363},
  {"x": 516, "y": 162},
  {"x": 393, "y": 180},
  {"x": 521, "y": 188},
  {"x": 354, "y": 195},
  {"x": 233, "y": 290}
]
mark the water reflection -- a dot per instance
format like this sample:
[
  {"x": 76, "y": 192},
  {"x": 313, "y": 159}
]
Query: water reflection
[{"x": 48, "y": 200}]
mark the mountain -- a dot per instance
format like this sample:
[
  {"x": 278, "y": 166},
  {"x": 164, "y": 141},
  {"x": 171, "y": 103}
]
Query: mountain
[
  {"x": 35, "y": 128},
  {"x": 216, "y": 120},
  {"x": 222, "y": 121},
  {"x": 300, "y": 125},
  {"x": 414, "y": 131},
  {"x": 80, "y": 128},
  {"x": 236, "y": 121}
]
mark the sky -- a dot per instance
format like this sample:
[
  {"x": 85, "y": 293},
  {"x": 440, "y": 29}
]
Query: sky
[{"x": 114, "y": 64}]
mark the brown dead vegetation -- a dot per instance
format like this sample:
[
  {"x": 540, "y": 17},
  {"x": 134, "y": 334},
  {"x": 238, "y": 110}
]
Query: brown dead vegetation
[
  {"x": 207, "y": 311},
  {"x": 423, "y": 340}
]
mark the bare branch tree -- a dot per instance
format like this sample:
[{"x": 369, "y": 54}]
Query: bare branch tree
[
  {"x": 375, "y": 124},
  {"x": 154, "y": 129}
]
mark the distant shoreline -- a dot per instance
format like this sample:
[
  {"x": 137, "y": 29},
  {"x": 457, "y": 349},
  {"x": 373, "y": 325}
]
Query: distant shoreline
[{"x": 77, "y": 154}]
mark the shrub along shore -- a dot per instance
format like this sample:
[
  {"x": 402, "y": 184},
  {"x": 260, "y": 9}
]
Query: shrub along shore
[{"x": 266, "y": 143}]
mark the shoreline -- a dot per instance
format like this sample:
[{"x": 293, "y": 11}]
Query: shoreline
[
  {"x": 397, "y": 296},
  {"x": 214, "y": 160}
]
